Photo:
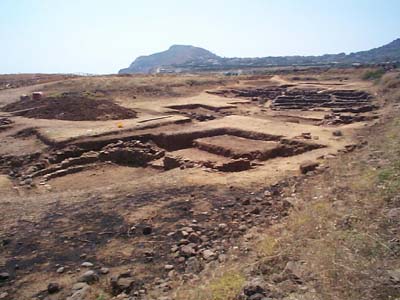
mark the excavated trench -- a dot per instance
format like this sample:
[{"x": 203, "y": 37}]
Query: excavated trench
[
  {"x": 181, "y": 140},
  {"x": 227, "y": 149},
  {"x": 223, "y": 149}
]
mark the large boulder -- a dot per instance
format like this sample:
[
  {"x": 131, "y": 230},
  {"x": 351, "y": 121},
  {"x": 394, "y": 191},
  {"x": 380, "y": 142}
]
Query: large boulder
[{"x": 89, "y": 277}]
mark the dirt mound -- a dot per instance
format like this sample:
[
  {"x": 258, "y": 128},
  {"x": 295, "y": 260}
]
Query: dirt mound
[{"x": 70, "y": 107}]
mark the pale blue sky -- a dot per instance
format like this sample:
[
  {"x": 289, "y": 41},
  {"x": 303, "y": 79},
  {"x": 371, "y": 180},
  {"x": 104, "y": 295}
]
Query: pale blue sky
[{"x": 102, "y": 36}]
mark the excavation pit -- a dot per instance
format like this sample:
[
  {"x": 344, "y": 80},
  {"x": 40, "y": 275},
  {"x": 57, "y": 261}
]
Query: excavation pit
[
  {"x": 180, "y": 140},
  {"x": 193, "y": 157},
  {"x": 200, "y": 157},
  {"x": 239, "y": 147},
  {"x": 228, "y": 149}
]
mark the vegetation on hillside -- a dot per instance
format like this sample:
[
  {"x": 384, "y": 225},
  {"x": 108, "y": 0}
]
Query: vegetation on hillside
[{"x": 373, "y": 74}]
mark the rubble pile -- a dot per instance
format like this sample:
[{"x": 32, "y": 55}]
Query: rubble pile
[
  {"x": 73, "y": 159},
  {"x": 133, "y": 153}
]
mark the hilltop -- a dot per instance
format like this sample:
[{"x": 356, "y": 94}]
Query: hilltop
[{"x": 175, "y": 55}]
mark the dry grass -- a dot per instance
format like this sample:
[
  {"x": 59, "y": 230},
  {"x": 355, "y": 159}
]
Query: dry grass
[
  {"x": 344, "y": 249},
  {"x": 223, "y": 284},
  {"x": 390, "y": 85},
  {"x": 267, "y": 247},
  {"x": 390, "y": 81}
]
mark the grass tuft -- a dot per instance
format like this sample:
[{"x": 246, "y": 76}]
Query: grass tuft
[
  {"x": 268, "y": 246},
  {"x": 227, "y": 287}
]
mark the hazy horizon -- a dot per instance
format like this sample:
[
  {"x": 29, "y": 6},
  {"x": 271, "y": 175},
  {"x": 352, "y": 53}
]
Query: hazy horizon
[{"x": 102, "y": 37}]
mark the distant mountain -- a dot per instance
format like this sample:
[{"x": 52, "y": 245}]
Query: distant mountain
[
  {"x": 175, "y": 55},
  {"x": 388, "y": 52},
  {"x": 180, "y": 58}
]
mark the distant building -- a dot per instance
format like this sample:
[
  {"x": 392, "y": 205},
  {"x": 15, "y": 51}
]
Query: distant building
[{"x": 166, "y": 70}]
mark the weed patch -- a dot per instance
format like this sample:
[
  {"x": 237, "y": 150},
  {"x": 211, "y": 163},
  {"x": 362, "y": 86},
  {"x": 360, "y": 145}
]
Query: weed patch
[
  {"x": 227, "y": 286},
  {"x": 373, "y": 74}
]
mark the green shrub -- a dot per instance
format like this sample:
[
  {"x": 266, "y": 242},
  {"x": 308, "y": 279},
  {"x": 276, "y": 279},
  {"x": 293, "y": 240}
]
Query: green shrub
[{"x": 373, "y": 74}]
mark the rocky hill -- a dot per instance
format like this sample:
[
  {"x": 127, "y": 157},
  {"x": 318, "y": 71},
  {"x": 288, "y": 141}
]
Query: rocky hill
[
  {"x": 175, "y": 55},
  {"x": 188, "y": 58},
  {"x": 388, "y": 52}
]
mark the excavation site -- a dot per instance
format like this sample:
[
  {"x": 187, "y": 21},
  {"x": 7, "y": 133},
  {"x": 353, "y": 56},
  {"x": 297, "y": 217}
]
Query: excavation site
[
  {"x": 199, "y": 150},
  {"x": 130, "y": 192}
]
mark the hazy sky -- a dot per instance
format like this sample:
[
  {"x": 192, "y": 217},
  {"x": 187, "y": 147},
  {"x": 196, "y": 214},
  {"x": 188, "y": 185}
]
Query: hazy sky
[{"x": 102, "y": 36}]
